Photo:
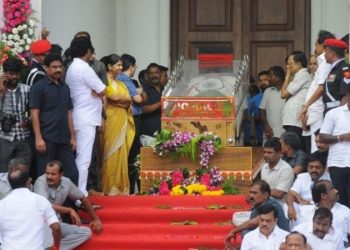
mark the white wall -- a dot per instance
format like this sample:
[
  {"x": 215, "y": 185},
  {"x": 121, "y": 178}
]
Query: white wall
[
  {"x": 143, "y": 30},
  {"x": 64, "y": 18},
  {"x": 329, "y": 15},
  {"x": 142, "y": 27},
  {"x": 137, "y": 27}
]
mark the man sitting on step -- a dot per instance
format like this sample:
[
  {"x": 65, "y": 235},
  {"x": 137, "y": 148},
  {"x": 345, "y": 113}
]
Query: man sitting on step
[
  {"x": 320, "y": 232},
  {"x": 259, "y": 195},
  {"x": 57, "y": 188},
  {"x": 300, "y": 193},
  {"x": 324, "y": 194},
  {"x": 268, "y": 234},
  {"x": 14, "y": 164}
]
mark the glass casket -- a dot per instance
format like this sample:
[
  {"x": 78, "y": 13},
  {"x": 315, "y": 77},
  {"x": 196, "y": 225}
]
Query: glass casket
[{"x": 204, "y": 96}]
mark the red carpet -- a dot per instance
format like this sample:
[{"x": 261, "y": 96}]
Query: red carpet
[{"x": 149, "y": 222}]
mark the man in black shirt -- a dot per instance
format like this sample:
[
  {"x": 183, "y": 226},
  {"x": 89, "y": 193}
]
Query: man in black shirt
[
  {"x": 51, "y": 109},
  {"x": 151, "y": 115},
  {"x": 292, "y": 153}
]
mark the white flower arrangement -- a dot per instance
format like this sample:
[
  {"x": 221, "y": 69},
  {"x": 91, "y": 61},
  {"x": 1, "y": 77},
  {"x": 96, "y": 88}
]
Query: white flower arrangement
[{"x": 21, "y": 37}]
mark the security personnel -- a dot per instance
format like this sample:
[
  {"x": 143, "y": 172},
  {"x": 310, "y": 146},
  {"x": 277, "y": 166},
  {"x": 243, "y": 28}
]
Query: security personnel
[
  {"x": 39, "y": 49},
  {"x": 337, "y": 81}
]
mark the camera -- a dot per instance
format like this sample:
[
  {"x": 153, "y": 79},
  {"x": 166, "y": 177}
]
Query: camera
[{"x": 7, "y": 121}]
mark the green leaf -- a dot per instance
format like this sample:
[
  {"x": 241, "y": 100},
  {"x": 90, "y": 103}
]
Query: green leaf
[{"x": 229, "y": 188}]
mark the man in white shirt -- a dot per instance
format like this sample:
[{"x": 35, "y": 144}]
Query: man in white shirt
[
  {"x": 294, "y": 90},
  {"x": 300, "y": 192},
  {"x": 259, "y": 196},
  {"x": 312, "y": 111},
  {"x": 268, "y": 235},
  {"x": 276, "y": 172},
  {"x": 271, "y": 105},
  {"x": 23, "y": 215},
  {"x": 87, "y": 91},
  {"x": 324, "y": 195},
  {"x": 320, "y": 234},
  {"x": 335, "y": 131}
]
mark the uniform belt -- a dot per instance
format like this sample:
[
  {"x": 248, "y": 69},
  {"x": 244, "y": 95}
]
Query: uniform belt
[{"x": 334, "y": 104}]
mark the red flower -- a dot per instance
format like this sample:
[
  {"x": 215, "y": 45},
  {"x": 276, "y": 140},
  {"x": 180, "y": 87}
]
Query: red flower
[
  {"x": 17, "y": 13},
  {"x": 12, "y": 23},
  {"x": 205, "y": 179},
  {"x": 176, "y": 178},
  {"x": 164, "y": 189},
  {"x": 213, "y": 188},
  {"x": 9, "y": 15}
]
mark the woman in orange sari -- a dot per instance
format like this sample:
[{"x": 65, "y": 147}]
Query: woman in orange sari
[{"x": 119, "y": 131}]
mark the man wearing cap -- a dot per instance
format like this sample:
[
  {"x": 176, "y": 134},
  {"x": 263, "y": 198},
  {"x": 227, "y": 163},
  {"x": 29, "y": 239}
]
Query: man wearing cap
[
  {"x": 36, "y": 71},
  {"x": 335, "y": 131},
  {"x": 336, "y": 83}
]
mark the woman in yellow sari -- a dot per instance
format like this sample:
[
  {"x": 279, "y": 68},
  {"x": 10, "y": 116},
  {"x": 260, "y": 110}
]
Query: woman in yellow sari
[{"x": 119, "y": 131}]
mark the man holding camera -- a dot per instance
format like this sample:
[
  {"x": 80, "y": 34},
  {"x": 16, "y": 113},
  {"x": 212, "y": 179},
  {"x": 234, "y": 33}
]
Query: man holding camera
[{"x": 14, "y": 100}]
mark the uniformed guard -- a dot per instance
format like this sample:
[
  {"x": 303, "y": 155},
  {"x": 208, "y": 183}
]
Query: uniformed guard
[
  {"x": 337, "y": 81},
  {"x": 38, "y": 49}
]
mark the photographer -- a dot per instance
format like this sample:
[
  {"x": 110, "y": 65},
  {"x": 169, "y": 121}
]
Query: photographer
[{"x": 14, "y": 100}]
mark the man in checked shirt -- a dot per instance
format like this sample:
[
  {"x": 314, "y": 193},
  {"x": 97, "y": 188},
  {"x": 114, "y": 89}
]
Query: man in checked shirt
[{"x": 14, "y": 99}]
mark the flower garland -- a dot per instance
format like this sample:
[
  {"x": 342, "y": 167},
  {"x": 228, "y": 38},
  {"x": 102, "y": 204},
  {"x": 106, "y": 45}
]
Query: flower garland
[
  {"x": 204, "y": 180},
  {"x": 179, "y": 182},
  {"x": 181, "y": 144},
  {"x": 6, "y": 52},
  {"x": 18, "y": 30}
]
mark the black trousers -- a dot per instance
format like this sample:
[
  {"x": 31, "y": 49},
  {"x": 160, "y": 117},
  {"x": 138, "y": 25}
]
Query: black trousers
[
  {"x": 61, "y": 152},
  {"x": 94, "y": 176},
  {"x": 134, "y": 151},
  {"x": 10, "y": 150},
  {"x": 341, "y": 181}
]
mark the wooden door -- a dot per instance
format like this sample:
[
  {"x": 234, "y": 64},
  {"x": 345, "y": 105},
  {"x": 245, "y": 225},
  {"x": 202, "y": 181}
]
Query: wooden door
[{"x": 266, "y": 30}]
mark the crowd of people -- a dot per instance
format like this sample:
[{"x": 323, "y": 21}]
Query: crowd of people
[
  {"x": 301, "y": 116},
  {"x": 71, "y": 125}
]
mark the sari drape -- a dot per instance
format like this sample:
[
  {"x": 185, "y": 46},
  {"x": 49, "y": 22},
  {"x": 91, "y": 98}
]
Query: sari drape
[{"x": 116, "y": 142}]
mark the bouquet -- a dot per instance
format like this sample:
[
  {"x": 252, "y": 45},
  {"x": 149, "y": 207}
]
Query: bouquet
[
  {"x": 7, "y": 52},
  {"x": 181, "y": 182},
  {"x": 181, "y": 144},
  {"x": 18, "y": 30}
]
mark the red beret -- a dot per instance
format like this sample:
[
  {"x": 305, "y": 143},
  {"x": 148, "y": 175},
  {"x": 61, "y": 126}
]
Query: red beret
[
  {"x": 40, "y": 47},
  {"x": 332, "y": 42}
]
